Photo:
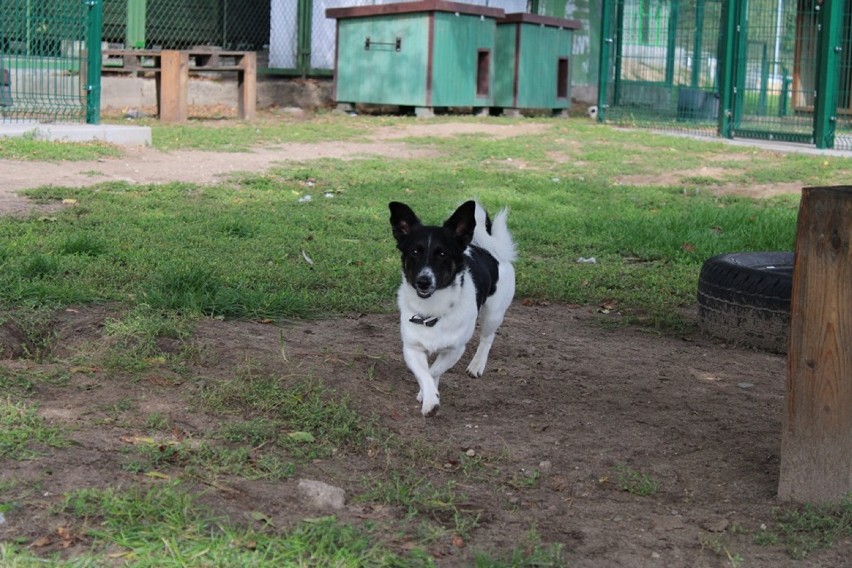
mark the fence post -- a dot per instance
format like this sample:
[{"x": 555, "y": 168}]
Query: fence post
[
  {"x": 726, "y": 67},
  {"x": 816, "y": 440},
  {"x": 94, "y": 34},
  {"x": 603, "y": 69},
  {"x": 828, "y": 70},
  {"x": 304, "y": 14},
  {"x": 136, "y": 18},
  {"x": 697, "y": 42}
]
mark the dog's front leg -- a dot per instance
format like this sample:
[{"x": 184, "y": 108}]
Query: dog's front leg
[
  {"x": 444, "y": 362},
  {"x": 418, "y": 362}
]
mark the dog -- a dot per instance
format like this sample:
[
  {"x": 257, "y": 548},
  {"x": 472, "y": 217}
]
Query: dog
[{"x": 452, "y": 276}]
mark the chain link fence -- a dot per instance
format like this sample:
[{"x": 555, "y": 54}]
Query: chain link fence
[
  {"x": 45, "y": 73},
  {"x": 291, "y": 37}
]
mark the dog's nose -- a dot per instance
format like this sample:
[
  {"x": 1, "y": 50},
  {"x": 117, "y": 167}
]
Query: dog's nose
[{"x": 423, "y": 282}]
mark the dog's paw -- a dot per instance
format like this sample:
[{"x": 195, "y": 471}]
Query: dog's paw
[
  {"x": 430, "y": 412},
  {"x": 420, "y": 396},
  {"x": 430, "y": 407},
  {"x": 475, "y": 369}
]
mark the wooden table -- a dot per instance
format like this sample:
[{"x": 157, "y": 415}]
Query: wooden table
[{"x": 171, "y": 70}]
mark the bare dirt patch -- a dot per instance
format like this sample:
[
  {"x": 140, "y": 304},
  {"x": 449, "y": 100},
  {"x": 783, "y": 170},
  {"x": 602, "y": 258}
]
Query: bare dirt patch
[
  {"x": 147, "y": 165},
  {"x": 564, "y": 406}
]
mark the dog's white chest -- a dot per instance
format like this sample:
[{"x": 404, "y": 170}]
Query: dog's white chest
[{"x": 445, "y": 320}]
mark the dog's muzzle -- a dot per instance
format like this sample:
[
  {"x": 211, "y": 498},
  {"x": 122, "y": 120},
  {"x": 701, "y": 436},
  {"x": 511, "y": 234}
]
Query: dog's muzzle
[{"x": 424, "y": 285}]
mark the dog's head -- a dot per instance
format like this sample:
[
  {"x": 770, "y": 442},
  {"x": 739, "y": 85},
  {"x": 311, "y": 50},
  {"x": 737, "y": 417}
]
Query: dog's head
[{"x": 432, "y": 256}]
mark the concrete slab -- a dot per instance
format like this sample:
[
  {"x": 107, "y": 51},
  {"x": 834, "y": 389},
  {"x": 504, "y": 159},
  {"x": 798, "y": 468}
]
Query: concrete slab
[{"x": 120, "y": 134}]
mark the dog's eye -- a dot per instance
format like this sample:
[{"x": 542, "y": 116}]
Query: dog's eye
[
  {"x": 441, "y": 254},
  {"x": 415, "y": 252}
]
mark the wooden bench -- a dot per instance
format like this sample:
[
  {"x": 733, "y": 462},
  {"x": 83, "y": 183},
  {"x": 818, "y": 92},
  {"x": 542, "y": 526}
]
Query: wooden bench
[{"x": 171, "y": 69}]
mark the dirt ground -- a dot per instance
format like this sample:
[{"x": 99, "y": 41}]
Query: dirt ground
[{"x": 567, "y": 400}]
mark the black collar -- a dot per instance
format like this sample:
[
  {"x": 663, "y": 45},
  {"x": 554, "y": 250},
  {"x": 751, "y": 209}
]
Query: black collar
[{"x": 428, "y": 321}]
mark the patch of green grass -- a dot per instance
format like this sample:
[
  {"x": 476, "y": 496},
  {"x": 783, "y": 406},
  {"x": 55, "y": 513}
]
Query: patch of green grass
[
  {"x": 164, "y": 525},
  {"x": 302, "y": 418},
  {"x": 252, "y": 247},
  {"x": 207, "y": 461},
  {"x": 803, "y": 529},
  {"x": 530, "y": 552},
  {"x": 717, "y": 545},
  {"x": 31, "y": 326},
  {"x": 421, "y": 498},
  {"x": 23, "y": 433},
  {"x": 132, "y": 339},
  {"x": 27, "y": 147},
  {"x": 83, "y": 244},
  {"x": 635, "y": 482},
  {"x": 241, "y": 137},
  {"x": 157, "y": 421}
]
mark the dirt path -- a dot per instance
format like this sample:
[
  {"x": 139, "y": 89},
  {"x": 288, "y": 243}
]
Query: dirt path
[
  {"x": 147, "y": 165},
  {"x": 142, "y": 165}
]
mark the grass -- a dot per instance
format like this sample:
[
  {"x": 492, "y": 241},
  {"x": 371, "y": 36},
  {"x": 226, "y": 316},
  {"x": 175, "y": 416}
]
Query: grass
[
  {"x": 806, "y": 528},
  {"x": 635, "y": 482},
  {"x": 530, "y": 552},
  {"x": 241, "y": 137},
  {"x": 303, "y": 418},
  {"x": 24, "y": 434},
  {"x": 253, "y": 247},
  {"x": 433, "y": 511},
  {"x": 165, "y": 525},
  {"x": 245, "y": 244},
  {"x": 27, "y": 147}
]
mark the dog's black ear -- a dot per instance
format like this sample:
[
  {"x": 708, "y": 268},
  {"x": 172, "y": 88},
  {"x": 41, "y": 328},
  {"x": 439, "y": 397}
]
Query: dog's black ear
[
  {"x": 403, "y": 220},
  {"x": 462, "y": 223}
]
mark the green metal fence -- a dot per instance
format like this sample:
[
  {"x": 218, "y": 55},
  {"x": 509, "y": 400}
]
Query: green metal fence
[
  {"x": 50, "y": 60},
  {"x": 769, "y": 69}
]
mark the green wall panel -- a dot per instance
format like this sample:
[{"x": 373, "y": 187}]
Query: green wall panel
[
  {"x": 458, "y": 41},
  {"x": 504, "y": 65},
  {"x": 382, "y": 75},
  {"x": 537, "y": 59}
]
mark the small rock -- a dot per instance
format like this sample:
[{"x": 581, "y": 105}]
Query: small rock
[
  {"x": 545, "y": 466},
  {"x": 655, "y": 555},
  {"x": 745, "y": 385},
  {"x": 715, "y": 524},
  {"x": 470, "y": 453},
  {"x": 322, "y": 495}
]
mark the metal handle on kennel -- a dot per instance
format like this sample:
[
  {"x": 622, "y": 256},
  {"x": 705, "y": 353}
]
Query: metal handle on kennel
[{"x": 397, "y": 44}]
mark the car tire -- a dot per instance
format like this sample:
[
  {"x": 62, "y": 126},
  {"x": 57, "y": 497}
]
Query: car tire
[{"x": 744, "y": 298}]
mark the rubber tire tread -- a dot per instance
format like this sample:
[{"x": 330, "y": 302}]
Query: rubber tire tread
[{"x": 744, "y": 298}]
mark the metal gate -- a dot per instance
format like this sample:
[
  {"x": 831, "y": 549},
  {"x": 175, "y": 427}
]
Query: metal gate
[
  {"x": 769, "y": 69},
  {"x": 50, "y": 60}
]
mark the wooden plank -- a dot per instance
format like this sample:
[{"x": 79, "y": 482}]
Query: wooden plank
[
  {"x": 816, "y": 442},
  {"x": 174, "y": 80},
  {"x": 247, "y": 85}
]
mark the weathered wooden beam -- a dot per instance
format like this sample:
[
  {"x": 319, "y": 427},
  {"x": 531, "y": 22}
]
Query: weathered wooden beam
[
  {"x": 816, "y": 442},
  {"x": 173, "y": 85}
]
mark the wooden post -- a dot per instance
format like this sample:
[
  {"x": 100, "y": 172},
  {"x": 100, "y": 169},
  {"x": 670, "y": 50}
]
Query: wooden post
[
  {"x": 174, "y": 80},
  {"x": 816, "y": 441},
  {"x": 247, "y": 85}
]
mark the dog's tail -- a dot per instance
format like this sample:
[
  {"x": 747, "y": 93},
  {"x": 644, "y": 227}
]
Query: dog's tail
[{"x": 493, "y": 234}]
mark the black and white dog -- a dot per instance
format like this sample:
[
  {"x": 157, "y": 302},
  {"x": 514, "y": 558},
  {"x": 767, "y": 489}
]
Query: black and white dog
[{"x": 450, "y": 275}]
